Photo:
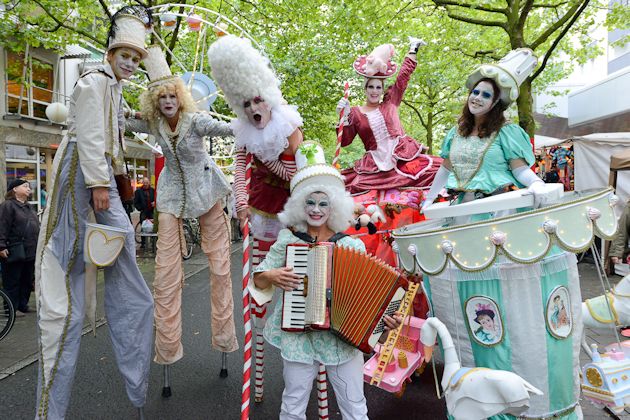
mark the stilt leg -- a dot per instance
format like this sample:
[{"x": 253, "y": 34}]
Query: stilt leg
[
  {"x": 223, "y": 373},
  {"x": 260, "y": 249},
  {"x": 322, "y": 393},
  {"x": 166, "y": 387},
  {"x": 141, "y": 415}
]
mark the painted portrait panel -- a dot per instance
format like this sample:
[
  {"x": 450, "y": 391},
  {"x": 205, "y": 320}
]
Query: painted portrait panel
[
  {"x": 558, "y": 313},
  {"x": 484, "y": 320}
]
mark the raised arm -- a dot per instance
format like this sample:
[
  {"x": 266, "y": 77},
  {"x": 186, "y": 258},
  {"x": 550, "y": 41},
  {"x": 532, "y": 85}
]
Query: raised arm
[
  {"x": 397, "y": 90},
  {"x": 205, "y": 125}
]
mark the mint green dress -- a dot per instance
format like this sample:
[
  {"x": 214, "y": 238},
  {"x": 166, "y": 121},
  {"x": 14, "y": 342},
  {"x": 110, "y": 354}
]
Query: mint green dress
[
  {"x": 303, "y": 347},
  {"x": 483, "y": 164}
]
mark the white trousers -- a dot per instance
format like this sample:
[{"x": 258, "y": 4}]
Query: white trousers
[{"x": 347, "y": 382}]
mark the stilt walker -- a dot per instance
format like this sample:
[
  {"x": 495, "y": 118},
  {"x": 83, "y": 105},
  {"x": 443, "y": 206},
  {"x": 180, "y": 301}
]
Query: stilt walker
[
  {"x": 189, "y": 187},
  {"x": 84, "y": 186},
  {"x": 268, "y": 130}
]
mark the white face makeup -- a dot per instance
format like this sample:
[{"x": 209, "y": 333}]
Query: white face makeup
[
  {"x": 124, "y": 62},
  {"x": 258, "y": 112},
  {"x": 374, "y": 91},
  {"x": 169, "y": 104},
  {"x": 317, "y": 209},
  {"x": 481, "y": 100}
]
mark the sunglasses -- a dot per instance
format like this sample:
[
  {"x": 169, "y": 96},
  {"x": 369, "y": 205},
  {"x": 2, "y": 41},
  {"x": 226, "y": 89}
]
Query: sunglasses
[{"x": 485, "y": 95}]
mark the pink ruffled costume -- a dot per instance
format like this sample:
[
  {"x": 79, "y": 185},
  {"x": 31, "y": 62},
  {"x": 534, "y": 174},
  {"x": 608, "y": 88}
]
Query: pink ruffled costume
[{"x": 392, "y": 158}]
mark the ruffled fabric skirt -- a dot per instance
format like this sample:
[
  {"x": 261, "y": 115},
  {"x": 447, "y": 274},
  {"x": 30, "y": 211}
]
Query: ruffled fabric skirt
[{"x": 412, "y": 169}]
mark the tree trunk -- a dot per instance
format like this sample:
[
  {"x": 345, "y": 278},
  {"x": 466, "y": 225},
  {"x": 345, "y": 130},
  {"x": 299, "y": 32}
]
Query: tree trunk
[
  {"x": 525, "y": 104},
  {"x": 430, "y": 132}
]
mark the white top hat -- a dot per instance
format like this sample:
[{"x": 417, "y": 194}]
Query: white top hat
[
  {"x": 509, "y": 73},
  {"x": 156, "y": 65},
  {"x": 130, "y": 32},
  {"x": 313, "y": 169}
]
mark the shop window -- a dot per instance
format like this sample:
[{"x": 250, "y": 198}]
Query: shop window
[{"x": 30, "y": 82}]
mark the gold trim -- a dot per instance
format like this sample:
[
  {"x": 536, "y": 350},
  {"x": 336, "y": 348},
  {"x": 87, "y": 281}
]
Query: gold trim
[{"x": 596, "y": 391}]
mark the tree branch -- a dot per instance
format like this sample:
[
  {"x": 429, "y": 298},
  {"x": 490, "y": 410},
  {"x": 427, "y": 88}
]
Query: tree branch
[
  {"x": 556, "y": 41},
  {"x": 63, "y": 25},
  {"x": 473, "y": 21},
  {"x": 105, "y": 9},
  {"x": 572, "y": 14},
  {"x": 550, "y": 6},
  {"x": 417, "y": 113},
  {"x": 488, "y": 9},
  {"x": 524, "y": 14}
]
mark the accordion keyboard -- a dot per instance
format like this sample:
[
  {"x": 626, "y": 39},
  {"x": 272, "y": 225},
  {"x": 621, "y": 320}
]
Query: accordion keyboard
[{"x": 294, "y": 302}]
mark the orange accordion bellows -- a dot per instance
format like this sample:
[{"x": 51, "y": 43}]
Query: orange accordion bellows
[{"x": 344, "y": 290}]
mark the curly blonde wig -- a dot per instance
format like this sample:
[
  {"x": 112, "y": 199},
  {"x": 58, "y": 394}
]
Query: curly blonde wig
[{"x": 150, "y": 106}]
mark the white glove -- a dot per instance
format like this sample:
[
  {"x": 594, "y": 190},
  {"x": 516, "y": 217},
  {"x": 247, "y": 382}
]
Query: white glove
[
  {"x": 535, "y": 185},
  {"x": 415, "y": 44},
  {"x": 343, "y": 105},
  {"x": 441, "y": 177}
]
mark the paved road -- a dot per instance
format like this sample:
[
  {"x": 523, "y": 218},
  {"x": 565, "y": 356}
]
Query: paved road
[{"x": 198, "y": 392}]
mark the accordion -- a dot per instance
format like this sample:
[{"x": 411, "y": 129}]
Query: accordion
[{"x": 344, "y": 290}]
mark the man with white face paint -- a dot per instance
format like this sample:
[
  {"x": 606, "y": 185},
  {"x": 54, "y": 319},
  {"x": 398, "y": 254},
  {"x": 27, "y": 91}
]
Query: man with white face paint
[
  {"x": 191, "y": 185},
  {"x": 85, "y": 164},
  {"x": 482, "y": 131},
  {"x": 318, "y": 210},
  {"x": 268, "y": 130}
]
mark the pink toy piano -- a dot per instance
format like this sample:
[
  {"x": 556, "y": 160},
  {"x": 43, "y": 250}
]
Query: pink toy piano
[{"x": 407, "y": 358}]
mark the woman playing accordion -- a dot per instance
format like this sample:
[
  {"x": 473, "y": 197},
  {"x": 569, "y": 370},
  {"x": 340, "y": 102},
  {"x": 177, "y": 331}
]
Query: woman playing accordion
[{"x": 319, "y": 208}]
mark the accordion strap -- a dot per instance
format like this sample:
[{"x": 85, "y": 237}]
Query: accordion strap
[{"x": 310, "y": 240}]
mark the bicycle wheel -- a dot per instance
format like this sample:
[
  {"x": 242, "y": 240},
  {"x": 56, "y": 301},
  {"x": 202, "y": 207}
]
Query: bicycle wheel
[
  {"x": 137, "y": 231},
  {"x": 189, "y": 237},
  {"x": 7, "y": 315}
]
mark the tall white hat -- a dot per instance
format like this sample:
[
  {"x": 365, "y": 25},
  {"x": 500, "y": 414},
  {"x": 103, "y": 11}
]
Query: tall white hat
[
  {"x": 509, "y": 73},
  {"x": 242, "y": 73},
  {"x": 312, "y": 169},
  {"x": 156, "y": 66},
  {"x": 129, "y": 29}
]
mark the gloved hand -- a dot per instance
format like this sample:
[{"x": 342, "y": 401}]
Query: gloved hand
[
  {"x": 415, "y": 44},
  {"x": 343, "y": 105},
  {"x": 441, "y": 177},
  {"x": 539, "y": 191},
  {"x": 535, "y": 185}
]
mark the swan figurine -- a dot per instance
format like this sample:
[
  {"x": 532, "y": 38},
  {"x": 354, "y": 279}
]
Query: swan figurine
[{"x": 475, "y": 393}]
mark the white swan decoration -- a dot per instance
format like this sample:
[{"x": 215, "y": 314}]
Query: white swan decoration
[
  {"x": 595, "y": 312},
  {"x": 475, "y": 393}
]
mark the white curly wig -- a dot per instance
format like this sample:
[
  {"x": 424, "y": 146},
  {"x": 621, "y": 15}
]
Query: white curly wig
[
  {"x": 341, "y": 207},
  {"x": 242, "y": 73}
]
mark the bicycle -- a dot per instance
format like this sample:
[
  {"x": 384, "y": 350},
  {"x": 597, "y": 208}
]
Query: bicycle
[
  {"x": 192, "y": 236},
  {"x": 7, "y": 315}
]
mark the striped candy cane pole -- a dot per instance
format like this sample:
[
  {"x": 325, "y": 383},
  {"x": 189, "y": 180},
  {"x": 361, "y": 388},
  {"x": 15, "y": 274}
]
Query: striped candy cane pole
[
  {"x": 322, "y": 393},
  {"x": 335, "y": 162},
  {"x": 247, "y": 346}
]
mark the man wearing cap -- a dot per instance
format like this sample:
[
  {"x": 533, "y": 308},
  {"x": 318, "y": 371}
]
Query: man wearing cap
[
  {"x": 84, "y": 168},
  {"x": 19, "y": 228}
]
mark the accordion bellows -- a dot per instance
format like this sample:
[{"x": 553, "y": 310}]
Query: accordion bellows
[{"x": 347, "y": 291}]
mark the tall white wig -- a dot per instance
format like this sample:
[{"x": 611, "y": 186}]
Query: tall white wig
[
  {"x": 242, "y": 73},
  {"x": 341, "y": 207}
]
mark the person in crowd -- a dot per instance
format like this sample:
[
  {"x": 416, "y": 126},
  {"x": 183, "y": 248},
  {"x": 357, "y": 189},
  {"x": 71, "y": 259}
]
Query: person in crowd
[
  {"x": 392, "y": 158},
  {"x": 19, "y": 229},
  {"x": 319, "y": 209},
  {"x": 620, "y": 249},
  {"x": 84, "y": 166},
  {"x": 43, "y": 195},
  {"x": 484, "y": 154},
  {"x": 552, "y": 176},
  {"x": 190, "y": 186},
  {"x": 144, "y": 202}
]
